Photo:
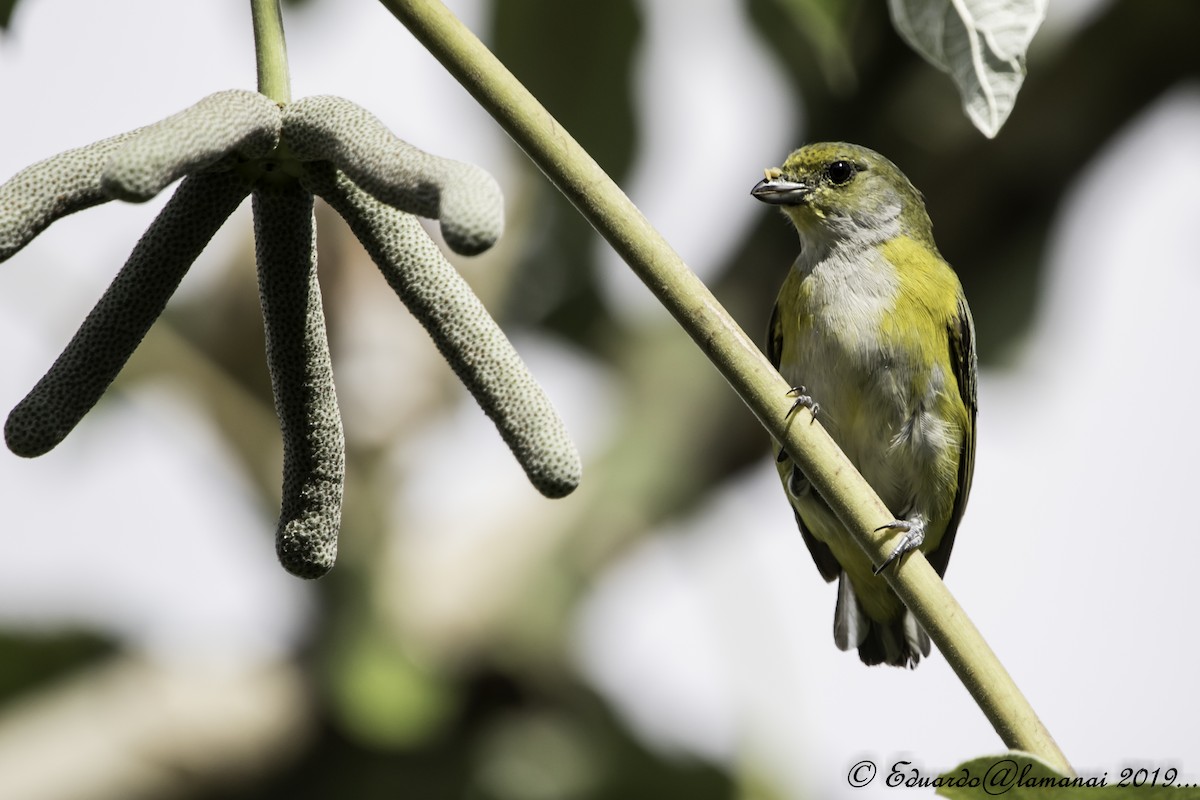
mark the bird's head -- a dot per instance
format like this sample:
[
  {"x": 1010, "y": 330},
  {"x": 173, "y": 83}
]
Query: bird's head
[{"x": 835, "y": 192}]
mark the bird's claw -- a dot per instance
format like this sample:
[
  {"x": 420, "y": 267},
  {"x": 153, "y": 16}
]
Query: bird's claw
[
  {"x": 914, "y": 537},
  {"x": 803, "y": 400}
]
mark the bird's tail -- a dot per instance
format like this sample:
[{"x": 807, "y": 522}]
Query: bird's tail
[{"x": 899, "y": 642}]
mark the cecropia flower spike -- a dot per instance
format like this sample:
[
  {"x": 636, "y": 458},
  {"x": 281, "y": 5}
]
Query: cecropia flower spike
[
  {"x": 462, "y": 197},
  {"x": 121, "y": 318},
  {"x": 51, "y": 189},
  {"x": 301, "y": 380},
  {"x": 235, "y": 143},
  {"x": 461, "y": 327},
  {"x": 236, "y": 123}
]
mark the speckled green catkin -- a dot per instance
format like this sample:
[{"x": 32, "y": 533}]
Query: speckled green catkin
[
  {"x": 123, "y": 314},
  {"x": 464, "y": 198},
  {"x": 61, "y": 185},
  {"x": 302, "y": 379},
  {"x": 224, "y": 144},
  {"x": 233, "y": 122},
  {"x": 461, "y": 327}
]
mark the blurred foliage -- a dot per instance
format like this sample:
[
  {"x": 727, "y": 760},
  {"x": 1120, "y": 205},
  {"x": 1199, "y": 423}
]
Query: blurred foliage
[
  {"x": 32, "y": 662},
  {"x": 577, "y": 58},
  {"x": 508, "y": 741},
  {"x": 824, "y": 26},
  {"x": 494, "y": 708}
]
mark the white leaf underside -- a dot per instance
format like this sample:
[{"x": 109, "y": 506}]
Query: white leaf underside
[{"x": 981, "y": 44}]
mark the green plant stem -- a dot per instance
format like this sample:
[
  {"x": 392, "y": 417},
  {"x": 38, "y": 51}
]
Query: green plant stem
[
  {"x": 738, "y": 359},
  {"x": 270, "y": 51}
]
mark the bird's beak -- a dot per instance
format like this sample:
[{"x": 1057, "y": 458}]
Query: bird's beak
[{"x": 778, "y": 191}]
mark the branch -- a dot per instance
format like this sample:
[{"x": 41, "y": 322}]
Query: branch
[
  {"x": 737, "y": 358},
  {"x": 270, "y": 51}
]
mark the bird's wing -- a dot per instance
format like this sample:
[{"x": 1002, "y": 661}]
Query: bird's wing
[
  {"x": 827, "y": 564},
  {"x": 963, "y": 360},
  {"x": 775, "y": 338}
]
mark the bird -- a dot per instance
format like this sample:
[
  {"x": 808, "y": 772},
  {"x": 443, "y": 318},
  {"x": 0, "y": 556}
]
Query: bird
[{"x": 872, "y": 329}]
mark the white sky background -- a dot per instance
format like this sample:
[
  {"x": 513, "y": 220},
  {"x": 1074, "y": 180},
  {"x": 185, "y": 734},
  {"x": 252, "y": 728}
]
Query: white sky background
[{"x": 1076, "y": 558}]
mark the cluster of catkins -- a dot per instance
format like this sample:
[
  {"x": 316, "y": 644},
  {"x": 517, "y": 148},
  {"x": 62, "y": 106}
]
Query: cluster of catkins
[{"x": 235, "y": 143}]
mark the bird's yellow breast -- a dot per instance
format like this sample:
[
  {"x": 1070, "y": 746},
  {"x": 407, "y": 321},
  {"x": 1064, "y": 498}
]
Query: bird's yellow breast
[{"x": 866, "y": 331}]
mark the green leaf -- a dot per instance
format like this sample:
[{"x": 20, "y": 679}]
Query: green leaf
[
  {"x": 824, "y": 26},
  {"x": 6, "y": 10},
  {"x": 382, "y": 698},
  {"x": 981, "y": 44}
]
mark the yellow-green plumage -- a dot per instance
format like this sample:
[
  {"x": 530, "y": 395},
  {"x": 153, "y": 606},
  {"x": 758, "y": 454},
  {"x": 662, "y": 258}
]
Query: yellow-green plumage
[{"x": 872, "y": 322}]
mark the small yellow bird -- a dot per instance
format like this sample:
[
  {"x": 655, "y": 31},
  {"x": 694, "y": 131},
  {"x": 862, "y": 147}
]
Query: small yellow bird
[{"x": 872, "y": 328}]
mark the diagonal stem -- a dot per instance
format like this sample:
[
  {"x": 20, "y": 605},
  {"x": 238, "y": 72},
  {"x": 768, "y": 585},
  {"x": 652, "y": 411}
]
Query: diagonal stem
[{"x": 738, "y": 359}]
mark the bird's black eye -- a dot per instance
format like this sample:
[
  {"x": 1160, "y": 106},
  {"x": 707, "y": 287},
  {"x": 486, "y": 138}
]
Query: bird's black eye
[{"x": 840, "y": 172}]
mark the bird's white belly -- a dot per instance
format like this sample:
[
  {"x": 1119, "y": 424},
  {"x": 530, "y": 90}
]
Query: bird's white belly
[{"x": 890, "y": 432}]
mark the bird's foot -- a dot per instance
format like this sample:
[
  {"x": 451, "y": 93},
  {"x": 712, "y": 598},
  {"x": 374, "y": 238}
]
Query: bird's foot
[
  {"x": 914, "y": 537},
  {"x": 803, "y": 400}
]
